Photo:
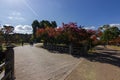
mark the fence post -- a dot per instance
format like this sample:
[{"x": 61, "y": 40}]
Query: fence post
[
  {"x": 70, "y": 48},
  {"x": 85, "y": 50},
  {"x": 9, "y": 67}
]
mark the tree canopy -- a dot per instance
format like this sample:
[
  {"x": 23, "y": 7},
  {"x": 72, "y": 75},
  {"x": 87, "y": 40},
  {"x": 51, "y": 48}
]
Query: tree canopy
[
  {"x": 42, "y": 24},
  {"x": 35, "y": 25},
  {"x": 109, "y": 33}
]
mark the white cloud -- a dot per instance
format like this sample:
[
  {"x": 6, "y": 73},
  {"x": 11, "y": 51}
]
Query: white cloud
[
  {"x": 112, "y": 25},
  {"x": 91, "y": 27},
  {"x": 23, "y": 29},
  {"x": 10, "y": 17},
  {"x": 16, "y": 16},
  {"x": 16, "y": 13},
  {"x": 117, "y": 25}
]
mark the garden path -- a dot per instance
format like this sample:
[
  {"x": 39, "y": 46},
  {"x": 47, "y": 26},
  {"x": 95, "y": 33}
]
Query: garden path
[{"x": 32, "y": 63}]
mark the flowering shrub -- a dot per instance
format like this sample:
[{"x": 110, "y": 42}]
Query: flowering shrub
[{"x": 68, "y": 33}]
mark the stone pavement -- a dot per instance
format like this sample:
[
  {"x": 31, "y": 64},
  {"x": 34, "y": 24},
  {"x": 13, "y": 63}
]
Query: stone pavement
[{"x": 32, "y": 63}]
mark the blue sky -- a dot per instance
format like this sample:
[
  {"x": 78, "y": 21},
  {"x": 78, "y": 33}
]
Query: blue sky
[{"x": 89, "y": 13}]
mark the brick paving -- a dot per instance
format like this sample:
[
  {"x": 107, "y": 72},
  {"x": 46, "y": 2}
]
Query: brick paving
[{"x": 32, "y": 63}]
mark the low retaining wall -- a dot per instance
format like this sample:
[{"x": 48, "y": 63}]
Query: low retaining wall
[{"x": 67, "y": 49}]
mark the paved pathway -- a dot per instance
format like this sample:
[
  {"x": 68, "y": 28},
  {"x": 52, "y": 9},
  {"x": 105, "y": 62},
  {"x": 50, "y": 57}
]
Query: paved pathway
[
  {"x": 104, "y": 66},
  {"x": 32, "y": 63}
]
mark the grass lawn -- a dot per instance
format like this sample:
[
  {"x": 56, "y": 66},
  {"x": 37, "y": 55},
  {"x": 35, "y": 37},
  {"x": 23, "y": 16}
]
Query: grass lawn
[{"x": 113, "y": 47}]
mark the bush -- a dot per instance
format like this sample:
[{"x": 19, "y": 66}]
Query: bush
[{"x": 67, "y": 34}]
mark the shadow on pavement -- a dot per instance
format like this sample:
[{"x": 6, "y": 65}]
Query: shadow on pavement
[
  {"x": 60, "y": 52},
  {"x": 102, "y": 55},
  {"x": 105, "y": 56}
]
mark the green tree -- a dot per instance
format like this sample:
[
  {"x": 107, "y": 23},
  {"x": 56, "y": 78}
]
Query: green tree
[
  {"x": 35, "y": 25},
  {"x": 44, "y": 24},
  {"x": 109, "y": 33},
  {"x": 104, "y": 27},
  {"x": 6, "y": 34},
  {"x": 54, "y": 24},
  {"x": 114, "y": 31},
  {"x": 106, "y": 36},
  {"x": 7, "y": 31}
]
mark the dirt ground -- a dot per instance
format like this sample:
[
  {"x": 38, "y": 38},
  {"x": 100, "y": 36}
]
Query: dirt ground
[{"x": 104, "y": 64}]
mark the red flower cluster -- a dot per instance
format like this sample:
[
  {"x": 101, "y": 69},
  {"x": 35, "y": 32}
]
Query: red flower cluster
[
  {"x": 40, "y": 32},
  {"x": 67, "y": 33}
]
